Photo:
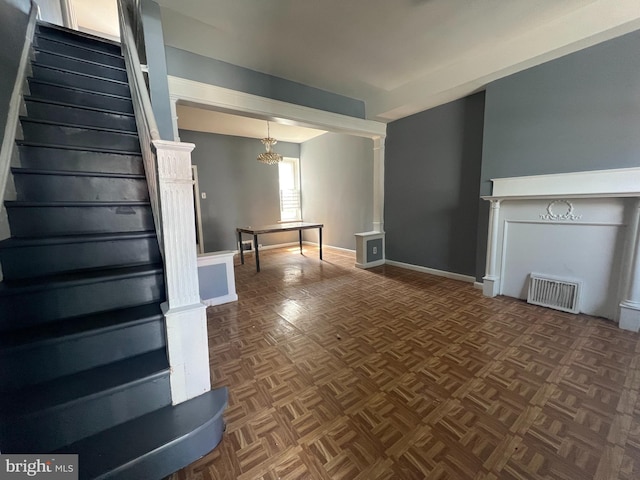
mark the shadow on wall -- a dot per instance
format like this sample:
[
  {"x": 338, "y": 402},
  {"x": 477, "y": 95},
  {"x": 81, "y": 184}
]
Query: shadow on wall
[{"x": 463, "y": 228}]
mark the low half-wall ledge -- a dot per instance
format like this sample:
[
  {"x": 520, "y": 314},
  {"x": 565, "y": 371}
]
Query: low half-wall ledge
[{"x": 216, "y": 276}]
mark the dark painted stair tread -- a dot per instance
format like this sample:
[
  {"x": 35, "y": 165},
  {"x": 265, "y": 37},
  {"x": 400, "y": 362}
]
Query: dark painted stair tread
[
  {"x": 69, "y": 89},
  {"x": 84, "y": 277},
  {"x": 51, "y": 30},
  {"x": 80, "y": 135},
  {"x": 77, "y": 147},
  {"x": 38, "y": 156},
  {"x": 74, "y": 388},
  {"x": 29, "y": 98},
  {"x": 79, "y": 59},
  {"x": 62, "y": 76},
  {"x": 82, "y": 74},
  {"x": 98, "y": 237},
  {"x": 74, "y": 328},
  {"x": 75, "y": 125},
  {"x": 13, "y": 203},
  {"x": 156, "y": 444},
  {"x": 77, "y": 49},
  {"x": 73, "y": 173}
]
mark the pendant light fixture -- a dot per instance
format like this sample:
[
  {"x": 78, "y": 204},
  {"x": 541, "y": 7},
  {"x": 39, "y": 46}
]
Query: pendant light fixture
[{"x": 269, "y": 157}]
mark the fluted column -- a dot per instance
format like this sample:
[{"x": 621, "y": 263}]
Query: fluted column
[
  {"x": 378, "y": 184},
  {"x": 630, "y": 306},
  {"x": 491, "y": 280},
  {"x": 185, "y": 315}
]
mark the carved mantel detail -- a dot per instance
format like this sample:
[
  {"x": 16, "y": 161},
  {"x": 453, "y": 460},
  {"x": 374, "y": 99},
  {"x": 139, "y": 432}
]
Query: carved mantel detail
[{"x": 560, "y": 210}]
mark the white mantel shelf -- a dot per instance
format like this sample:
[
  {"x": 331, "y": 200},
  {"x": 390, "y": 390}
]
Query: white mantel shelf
[
  {"x": 562, "y": 196},
  {"x": 614, "y": 183}
]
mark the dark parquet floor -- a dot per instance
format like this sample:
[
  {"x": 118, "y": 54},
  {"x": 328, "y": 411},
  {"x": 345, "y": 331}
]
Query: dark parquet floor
[{"x": 340, "y": 373}]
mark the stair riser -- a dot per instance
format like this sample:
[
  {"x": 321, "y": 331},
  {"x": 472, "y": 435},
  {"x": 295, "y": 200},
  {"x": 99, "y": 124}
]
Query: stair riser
[
  {"x": 78, "y": 52},
  {"x": 42, "y": 363},
  {"x": 78, "y": 97},
  {"x": 72, "y": 39},
  {"x": 79, "y": 137},
  {"x": 50, "y": 430},
  {"x": 79, "y": 116},
  {"x": 37, "y": 261},
  {"x": 63, "y": 188},
  {"x": 80, "y": 81},
  {"x": 42, "y": 158},
  {"x": 43, "y": 221},
  {"x": 43, "y": 306},
  {"x": 77, "y": 65}
]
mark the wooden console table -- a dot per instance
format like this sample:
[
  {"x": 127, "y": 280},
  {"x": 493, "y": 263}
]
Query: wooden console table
[{"x": 280, "y": 227}]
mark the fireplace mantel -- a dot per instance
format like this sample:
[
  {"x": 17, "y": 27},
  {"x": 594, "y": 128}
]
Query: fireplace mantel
[
  {"x": 603, "y": 199},
  {"x": 621, "y": 182}
]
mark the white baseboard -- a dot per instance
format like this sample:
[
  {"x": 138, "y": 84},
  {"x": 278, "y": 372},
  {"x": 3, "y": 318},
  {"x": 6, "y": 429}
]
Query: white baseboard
[
  {"x": 268, "y": 247},
  {"x": 314, "y": 244},
  {"x": 432, "y": 271},
  {"x": 211, "y": 302},
  {"x": 478, "y": 285},
  {"x": 291, "y": 244}
]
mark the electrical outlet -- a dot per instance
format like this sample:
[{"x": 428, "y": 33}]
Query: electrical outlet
[
  {"x": 375, "y": 250},
  {"x": 203, "y": 195}
]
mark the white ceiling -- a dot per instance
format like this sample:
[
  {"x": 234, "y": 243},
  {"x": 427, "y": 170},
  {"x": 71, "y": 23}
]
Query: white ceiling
[{"x": 400, "y": 56}]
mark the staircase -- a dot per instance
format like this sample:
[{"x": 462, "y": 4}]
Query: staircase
[{"x": 82, "y": 337}]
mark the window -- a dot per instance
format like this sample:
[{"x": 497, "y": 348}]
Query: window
[{"x": 289, "y": 176}]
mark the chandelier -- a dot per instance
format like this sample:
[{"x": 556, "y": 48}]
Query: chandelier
[{"x": 269, "y": 157}]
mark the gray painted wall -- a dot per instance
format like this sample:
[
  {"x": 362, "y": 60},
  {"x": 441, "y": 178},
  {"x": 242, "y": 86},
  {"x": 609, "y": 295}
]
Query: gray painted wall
[
  {"x": 576, "y": 113},
  {"x": 337, "y": 187},
  {"x": 181, "y": 63},
  {"x": 432, "y": 171},
  {"x": 157, "y": 63},
  {"x": 213, "y": 281},
  {"x": 240, "y": 190},
  {"x": 579, "y": 112},
  {"x": 14, "y": 15}
]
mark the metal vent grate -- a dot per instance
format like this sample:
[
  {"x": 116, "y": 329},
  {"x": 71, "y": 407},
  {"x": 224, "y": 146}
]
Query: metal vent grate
[{"x": 558, "y": 293}]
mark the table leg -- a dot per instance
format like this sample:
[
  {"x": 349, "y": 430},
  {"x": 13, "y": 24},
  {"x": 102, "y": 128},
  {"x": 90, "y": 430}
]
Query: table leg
[
  {"x": 255, "y": 246},
  {"x": 240, "y": 247},
  {"x": 320, "y": 230},
  {"x": 300, "y": 239}
]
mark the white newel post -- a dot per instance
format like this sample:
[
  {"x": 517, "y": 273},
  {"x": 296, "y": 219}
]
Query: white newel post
[
  {"x": 630, "y": 306},
  {"x": 491, "y": 280},
  {"x": 185, "y": 315}
]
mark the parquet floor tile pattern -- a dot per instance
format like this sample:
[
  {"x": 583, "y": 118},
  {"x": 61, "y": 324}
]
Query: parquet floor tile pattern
[{"x": 340, "y": 373}]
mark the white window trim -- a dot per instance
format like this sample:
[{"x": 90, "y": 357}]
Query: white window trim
[{"x": 298, "y": 216}]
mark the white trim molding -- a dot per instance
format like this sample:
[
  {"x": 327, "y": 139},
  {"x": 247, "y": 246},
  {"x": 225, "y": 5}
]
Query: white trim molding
[
  {"x": 201, "y": 94},
  {"x": 621, "y": 182},
  {"x": 432, "y": 271}
]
